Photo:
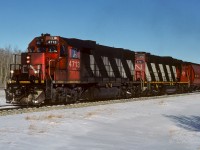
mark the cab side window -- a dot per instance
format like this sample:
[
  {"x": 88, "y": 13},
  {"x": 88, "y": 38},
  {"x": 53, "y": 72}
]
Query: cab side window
[
  {"x": 75, "y": 53},
  {"x": 63, "y": 51}
]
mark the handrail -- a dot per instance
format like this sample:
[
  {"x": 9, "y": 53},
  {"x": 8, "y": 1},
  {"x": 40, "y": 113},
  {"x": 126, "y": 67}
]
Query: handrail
[{"x": 50, "y": 67}]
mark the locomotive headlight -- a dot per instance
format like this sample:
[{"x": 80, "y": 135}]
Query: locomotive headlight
[{"x": 28, "y": 59}]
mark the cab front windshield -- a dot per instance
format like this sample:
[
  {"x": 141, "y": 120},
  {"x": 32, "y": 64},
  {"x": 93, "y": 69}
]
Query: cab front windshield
[{"x": 52, "y": 49}]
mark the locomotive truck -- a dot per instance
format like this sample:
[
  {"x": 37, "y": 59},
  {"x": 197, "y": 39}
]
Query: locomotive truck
[{"x": 65, "y": 70}]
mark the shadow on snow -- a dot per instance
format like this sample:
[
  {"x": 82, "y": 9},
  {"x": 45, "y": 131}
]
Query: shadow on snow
[{"x": 191, "y": 123}]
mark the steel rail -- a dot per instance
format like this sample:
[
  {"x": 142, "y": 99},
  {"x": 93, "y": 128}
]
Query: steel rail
[{"x": 25, "y": 109}]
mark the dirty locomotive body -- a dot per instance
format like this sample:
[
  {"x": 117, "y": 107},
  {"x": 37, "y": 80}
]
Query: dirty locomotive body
[{"x": 63, "y": 70}]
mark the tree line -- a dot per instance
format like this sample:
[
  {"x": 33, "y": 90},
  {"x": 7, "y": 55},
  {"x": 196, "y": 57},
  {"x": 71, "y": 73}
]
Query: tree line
[{"x": 7, "y": 58}]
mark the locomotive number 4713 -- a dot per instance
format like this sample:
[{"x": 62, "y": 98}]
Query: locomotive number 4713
[{"x": 74, "y": 64}]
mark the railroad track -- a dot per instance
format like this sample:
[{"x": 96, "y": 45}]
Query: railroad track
[
  {"x": 20, "y": 110},
  {"x": 8, "y": 108}
]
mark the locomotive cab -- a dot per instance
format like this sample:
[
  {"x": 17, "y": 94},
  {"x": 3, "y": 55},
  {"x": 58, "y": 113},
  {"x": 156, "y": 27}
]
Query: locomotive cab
[
  {"x": 27, "y": 79},
  {"x": 49, "y": 62}
]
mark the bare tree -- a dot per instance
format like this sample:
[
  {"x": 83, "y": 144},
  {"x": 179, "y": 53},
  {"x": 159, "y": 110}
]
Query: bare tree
[{"x": 6, "y": 58}]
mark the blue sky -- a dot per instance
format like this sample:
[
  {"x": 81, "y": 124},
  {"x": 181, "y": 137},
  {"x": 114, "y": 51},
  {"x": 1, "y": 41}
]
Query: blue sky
[{"x": 161, "y": 27}]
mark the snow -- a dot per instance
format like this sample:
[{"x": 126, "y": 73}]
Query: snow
[
  {"x": 166, "y": 123},
  {"x": 2, "y": 97}
]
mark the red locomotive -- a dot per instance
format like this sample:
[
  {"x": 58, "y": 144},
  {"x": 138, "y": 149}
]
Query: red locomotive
[
  {"x": 63, "y": 70},
  {"x": 166, "y": 74}
]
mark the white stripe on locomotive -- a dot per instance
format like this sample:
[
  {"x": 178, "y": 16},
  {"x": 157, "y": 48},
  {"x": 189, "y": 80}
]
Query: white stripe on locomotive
[
  {"x": 162, "y": 72},
  {"x": 155, "y": 72},
  {"x": 147, "y": 73},
  {"x": 94, "y": 67},
  {"x": 131, "y": 67},
  {"x": 174, "y": 71},
  {"x": 108, "y": 66},
  {"x": 120, "y": 68},
  {"x": 169, "y": 73}
]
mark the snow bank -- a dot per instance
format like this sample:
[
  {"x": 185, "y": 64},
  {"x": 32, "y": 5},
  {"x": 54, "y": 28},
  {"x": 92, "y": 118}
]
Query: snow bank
[{"x": 167, "y": 123}]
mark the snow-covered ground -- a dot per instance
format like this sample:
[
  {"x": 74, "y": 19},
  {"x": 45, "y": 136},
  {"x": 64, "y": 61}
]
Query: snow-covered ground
[
  {"x": 2, "y": 97},
  {"x": 158, "y": 124}
]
